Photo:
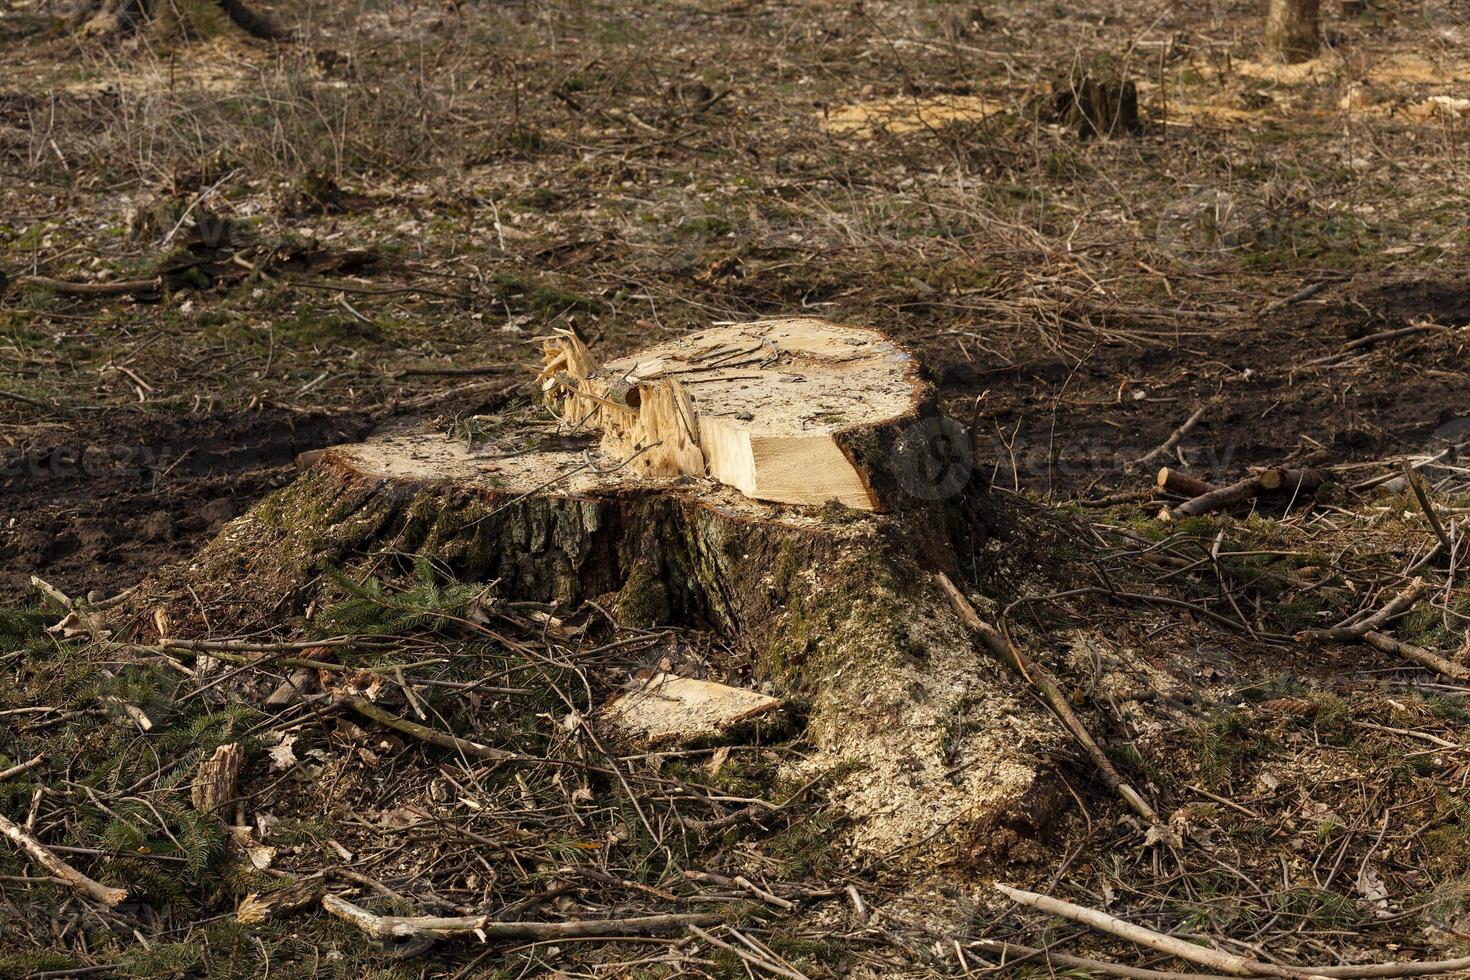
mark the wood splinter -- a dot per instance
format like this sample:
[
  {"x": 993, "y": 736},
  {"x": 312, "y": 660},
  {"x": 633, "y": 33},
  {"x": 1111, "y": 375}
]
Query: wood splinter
[
  {"x": 256, "y": 908},
  {"x": 214, "y": 784}
]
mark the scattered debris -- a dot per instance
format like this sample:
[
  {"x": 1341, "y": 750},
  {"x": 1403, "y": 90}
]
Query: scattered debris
[{"x": 906, "y": 116}]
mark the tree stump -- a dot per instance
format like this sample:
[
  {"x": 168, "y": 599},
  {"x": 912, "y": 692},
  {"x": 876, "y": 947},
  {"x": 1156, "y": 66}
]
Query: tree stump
[
  {"x": 1292, "y": 29},
  {"x": 1094, "y": 106},
  {"x": 788, "y": 484}
]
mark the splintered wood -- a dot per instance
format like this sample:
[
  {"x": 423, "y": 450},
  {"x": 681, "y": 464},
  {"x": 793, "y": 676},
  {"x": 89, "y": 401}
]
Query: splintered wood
[
  {"x": 769, "y": 408},
  {"x": 214, "y": 785},
  {"x": 670, "y": 710}
]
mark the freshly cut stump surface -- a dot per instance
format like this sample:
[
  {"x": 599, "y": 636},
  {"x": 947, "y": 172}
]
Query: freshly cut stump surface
[
  {"x": 938, "y": 751},
  {"x": 773, "y": 408}
]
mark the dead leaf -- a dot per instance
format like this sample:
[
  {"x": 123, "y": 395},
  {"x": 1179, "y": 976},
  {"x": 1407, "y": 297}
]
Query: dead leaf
[
  {"x": 256, "y": 908},
  {"x": 1161, "y": 834},
  {"x": 283, "y": 755},
  {"x": 1374, "y": 892},
  {"x": 399, "y": 819},
  {"x": 259, "y": 855}
]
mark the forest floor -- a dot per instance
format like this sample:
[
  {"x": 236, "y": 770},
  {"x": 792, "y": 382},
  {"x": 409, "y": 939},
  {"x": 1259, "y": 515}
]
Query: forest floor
[{"x": 219, "y": 254}]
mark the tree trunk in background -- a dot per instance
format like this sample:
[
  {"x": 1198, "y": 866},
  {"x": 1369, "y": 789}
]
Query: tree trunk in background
[
  {"x": 186, "y": 17},
  {"x": 1292, "y": 29}
]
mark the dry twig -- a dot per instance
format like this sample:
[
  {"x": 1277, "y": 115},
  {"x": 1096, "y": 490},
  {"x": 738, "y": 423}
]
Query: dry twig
[
  {"x": 486, "y": 929},
  {"x": 1216, "y": 959},
  {"x": 1174, "y": 439}
]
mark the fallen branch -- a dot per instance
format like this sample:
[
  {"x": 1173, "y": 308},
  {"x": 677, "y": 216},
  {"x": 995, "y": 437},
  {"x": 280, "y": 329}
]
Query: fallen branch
[
  {"x": 122, "y": 287},
  {"x": 24, "y": 399},
  {"x": 1213, "y": 500},
  {"x": 1114, "y": 499},
  {"x": 1354, "y": 632},
  {"x": 486, "y": 929},
  {"x": 754, "y": 959},
  {"x": 39, "y": 853},
  {"x": 1183, "y": 484},
  {"x": 1375, "y": 482},
  {"x": 252, "y": 646},
  {"x": 1427, "y": 507},
  {"x": 1168, "y": 444},
  {"x": 1051, "y": 691},
  {"x": 1215, "y": 959},
  {"x": 1434, "y": 661},
  {"x": 1385, "y": 970},
  {"x": 744, "y": 884},
  {"x": 1293, "y": 481},
  {"x": 20, "y": 768},
  {"x": 1024, "y": 954},
  {"x": 1374, "y": 338},
  {"x": 1305, "y": 293},
  {"x": 1369, "y": 631}
]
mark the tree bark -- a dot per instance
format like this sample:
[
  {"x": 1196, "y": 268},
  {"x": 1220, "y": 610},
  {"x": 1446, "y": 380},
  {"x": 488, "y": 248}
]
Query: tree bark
[{"x": 1292, "y": 29}]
